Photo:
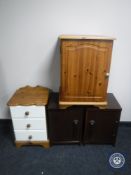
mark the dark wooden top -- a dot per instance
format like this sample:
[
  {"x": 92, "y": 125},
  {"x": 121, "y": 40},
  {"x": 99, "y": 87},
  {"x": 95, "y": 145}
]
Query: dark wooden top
[
  {"x": 54, "y": 102},
  {"x": 28, "y": 95}
]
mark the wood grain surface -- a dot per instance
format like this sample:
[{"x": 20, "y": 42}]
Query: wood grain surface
[
  {"x": 85, "y": 66},
  {"x": 30, "y": 96},
  {"x": 45, "y": 144}
]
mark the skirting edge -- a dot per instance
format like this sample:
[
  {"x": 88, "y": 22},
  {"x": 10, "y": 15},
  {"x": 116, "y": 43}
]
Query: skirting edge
[{"x": 45, "y": 144}]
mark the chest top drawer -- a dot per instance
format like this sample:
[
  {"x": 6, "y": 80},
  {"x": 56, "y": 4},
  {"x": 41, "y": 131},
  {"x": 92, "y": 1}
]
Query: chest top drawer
[{"x": 27, "y": 111}]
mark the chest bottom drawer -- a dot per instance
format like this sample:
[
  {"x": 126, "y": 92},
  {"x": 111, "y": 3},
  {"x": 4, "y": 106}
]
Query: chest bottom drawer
[{"x": 32, "y": 135}]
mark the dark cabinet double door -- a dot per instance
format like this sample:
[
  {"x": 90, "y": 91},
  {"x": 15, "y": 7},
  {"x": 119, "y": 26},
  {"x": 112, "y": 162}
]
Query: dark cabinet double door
[{"x": 83, "y": 125}]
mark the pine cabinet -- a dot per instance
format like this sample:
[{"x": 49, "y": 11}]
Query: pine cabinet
[
  {"x": 85, "y": 67},
  {"x": 83, "y": 124}
]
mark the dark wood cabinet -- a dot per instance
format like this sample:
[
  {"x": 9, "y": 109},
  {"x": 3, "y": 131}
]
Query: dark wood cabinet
[{"x": 83, "y": 124}]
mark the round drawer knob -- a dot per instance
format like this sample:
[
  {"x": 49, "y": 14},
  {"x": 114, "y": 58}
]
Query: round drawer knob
[
  {"x": 28, "y": 125},
  {"x": 26, "y": 113},
  {"x": 30, "y": 137}
]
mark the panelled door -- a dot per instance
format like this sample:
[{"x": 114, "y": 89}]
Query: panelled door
[
  {"x": 85, "y": 68},
  {"x": 101, "y": 126},
  {"x": 65, "y": 125}
]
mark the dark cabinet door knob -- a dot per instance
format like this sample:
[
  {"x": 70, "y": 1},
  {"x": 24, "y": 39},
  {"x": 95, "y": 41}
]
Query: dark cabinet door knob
[
  {"x": 75, "y": 130},
  {"x": 76, "y": 122},
  {"x": 92, "y": 122},
  {"x": 26, "y": 113}
]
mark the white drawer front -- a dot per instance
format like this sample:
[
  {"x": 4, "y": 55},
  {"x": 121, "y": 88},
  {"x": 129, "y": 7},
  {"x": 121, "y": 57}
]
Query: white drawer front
[
  {"x": 27, "y": 111},
  {"x": 29, "y": 124},
  {"x": 33, "y": 135}
]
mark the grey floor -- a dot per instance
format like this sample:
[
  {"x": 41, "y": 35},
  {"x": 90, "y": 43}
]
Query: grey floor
[{"x": 62, "y": 159}]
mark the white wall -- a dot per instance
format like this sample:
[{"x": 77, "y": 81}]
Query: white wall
[{"x": 29, "y": 49}]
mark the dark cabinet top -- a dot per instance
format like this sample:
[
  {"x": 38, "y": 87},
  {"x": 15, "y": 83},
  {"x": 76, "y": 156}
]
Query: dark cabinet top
[{"x": 53, "y": 102}]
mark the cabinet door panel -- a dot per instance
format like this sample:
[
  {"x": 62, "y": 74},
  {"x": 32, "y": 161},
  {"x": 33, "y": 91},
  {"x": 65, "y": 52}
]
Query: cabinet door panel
[
  {"x": 65, "y": 125},
  {"x": 101, "y": 126},
  {"x": 84, "y": 68}
]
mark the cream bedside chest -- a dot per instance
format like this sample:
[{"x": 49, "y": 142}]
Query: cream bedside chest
[{"x": 27, "y": 107}]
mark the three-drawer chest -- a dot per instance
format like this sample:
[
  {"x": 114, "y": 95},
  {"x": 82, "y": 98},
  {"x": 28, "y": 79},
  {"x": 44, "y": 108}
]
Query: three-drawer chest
[{"x": 27, "y": 107}]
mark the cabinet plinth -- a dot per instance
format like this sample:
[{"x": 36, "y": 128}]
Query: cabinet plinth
[{"x": 85, "y": 67}]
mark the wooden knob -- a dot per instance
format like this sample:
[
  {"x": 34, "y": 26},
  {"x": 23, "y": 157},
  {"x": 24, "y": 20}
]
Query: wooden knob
[
  {"x": 28, "y": 125},
  {"x": 107, "y": 75},
  {"x": 26, "y": 113},
  {"x": 30, "y": 137}
]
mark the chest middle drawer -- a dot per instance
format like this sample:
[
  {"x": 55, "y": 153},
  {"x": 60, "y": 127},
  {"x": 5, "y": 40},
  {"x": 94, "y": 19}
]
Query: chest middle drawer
[{"x": 29, "y": 124}]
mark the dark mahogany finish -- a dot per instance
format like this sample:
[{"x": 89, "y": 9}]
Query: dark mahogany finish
[
  {"x": 101, "y": 126},
  {"x": 83, "y": 124},
  {"x": 65, "y": 125}
]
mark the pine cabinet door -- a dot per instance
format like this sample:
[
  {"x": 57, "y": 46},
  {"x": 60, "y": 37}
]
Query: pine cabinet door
[{"x": 85, "y": 68}]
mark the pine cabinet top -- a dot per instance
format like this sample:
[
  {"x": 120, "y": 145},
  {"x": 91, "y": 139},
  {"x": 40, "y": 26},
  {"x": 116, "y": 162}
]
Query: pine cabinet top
[
  {"x": 28, "y": 95},
  {"x": 82, "y": 37}
]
